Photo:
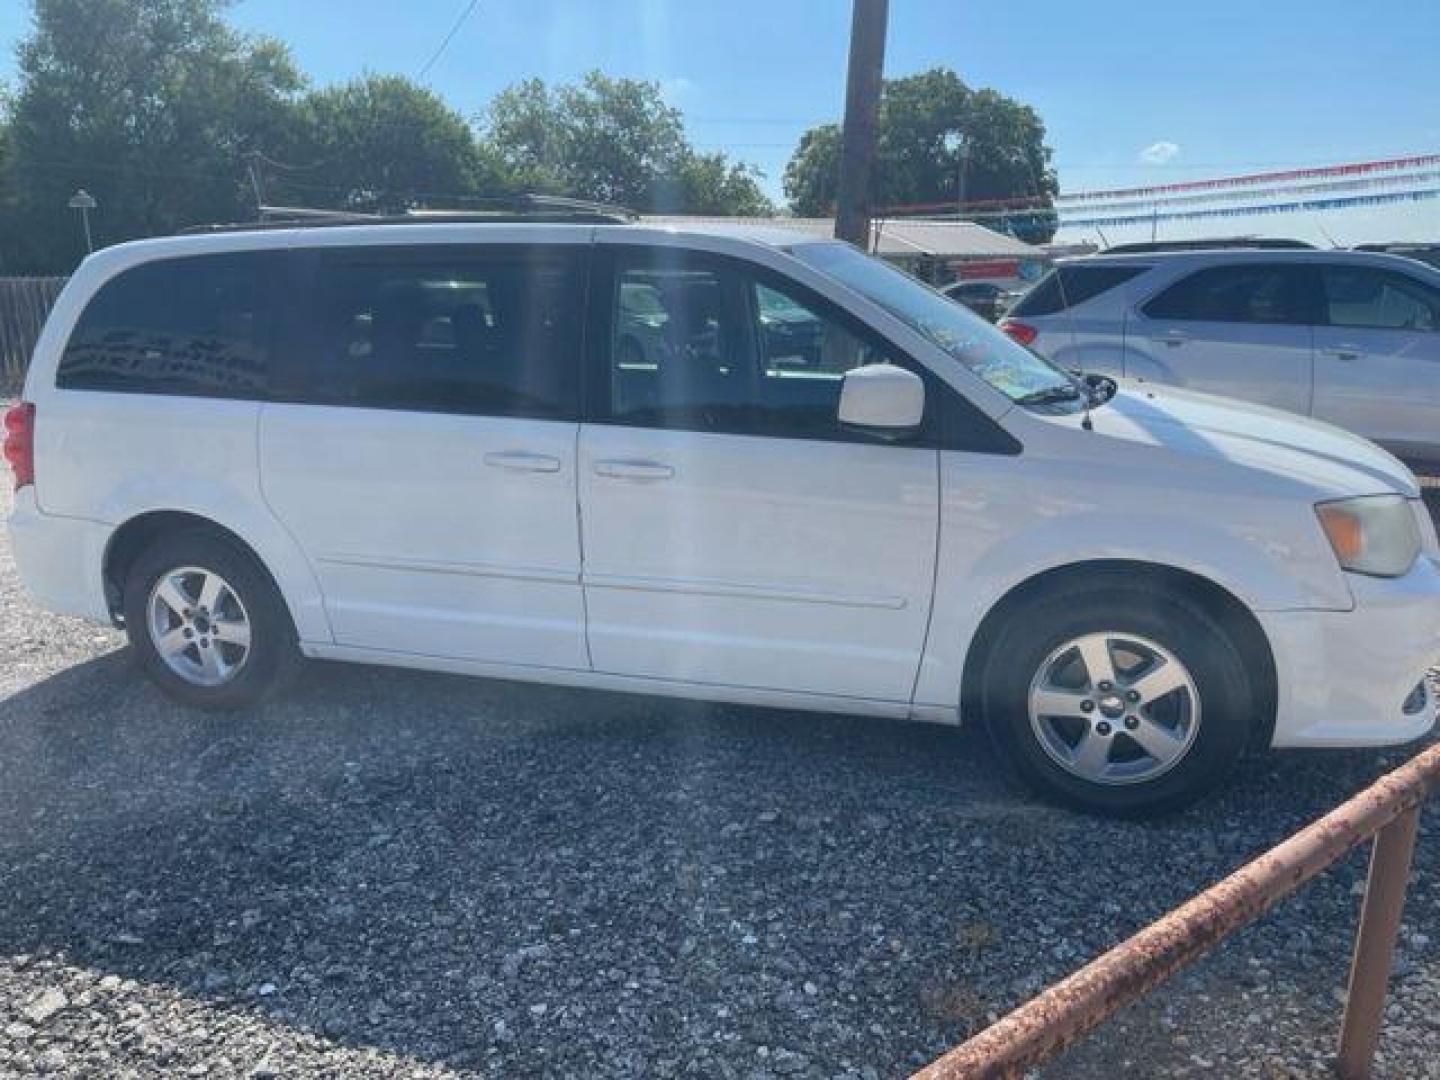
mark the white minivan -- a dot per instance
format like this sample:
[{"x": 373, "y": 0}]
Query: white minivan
[{"x": 713, "y": 461}]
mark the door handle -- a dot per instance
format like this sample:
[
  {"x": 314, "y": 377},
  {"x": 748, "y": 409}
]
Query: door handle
[
  {"x": 1343, "y": 352},
  {"x": 522, "y": 461},
  {"x": 634, "y": 470},
  {"x": 1173, "y": 338}
]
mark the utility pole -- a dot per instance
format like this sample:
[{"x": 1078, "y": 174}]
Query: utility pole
[{"x": 862, "y": 106}]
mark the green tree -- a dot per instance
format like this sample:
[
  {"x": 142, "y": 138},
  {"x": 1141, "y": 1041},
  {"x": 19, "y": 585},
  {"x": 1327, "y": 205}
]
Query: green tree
[
  {"x": 922, "y": 119},
  {"x": 7, "y": 190},
  {"x": 613, "y": 140},
  {"x": 381, "y": 142},
  {"x": 812, "y": 174},
  {"x": 151, "y": 105},
  {"x": 713, "y": 184}
]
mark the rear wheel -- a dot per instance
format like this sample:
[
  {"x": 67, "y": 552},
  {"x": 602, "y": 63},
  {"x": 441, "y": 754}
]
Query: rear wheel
[
  {"x": 207, "y": 623},
  {"x": 1117, "y": 699}
]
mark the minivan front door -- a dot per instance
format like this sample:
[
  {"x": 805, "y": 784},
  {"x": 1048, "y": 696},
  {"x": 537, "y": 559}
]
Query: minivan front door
[
  {"x": 1377, "y": 359},
  {"x": 733, "y": 533},
  {"x": 425, "y": 459}
]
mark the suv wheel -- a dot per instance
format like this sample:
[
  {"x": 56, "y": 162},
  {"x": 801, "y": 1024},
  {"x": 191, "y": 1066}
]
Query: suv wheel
[
  {"x": 207, "y": 623},
  {"x": 1117, "y": 699}
]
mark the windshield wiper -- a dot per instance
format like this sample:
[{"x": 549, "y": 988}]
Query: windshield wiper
[{"x": 1051, "y": 395}]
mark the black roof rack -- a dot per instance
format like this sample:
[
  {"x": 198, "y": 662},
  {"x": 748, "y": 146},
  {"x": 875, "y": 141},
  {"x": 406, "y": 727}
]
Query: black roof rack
[
  {"x": 1217, "y": 243},
  {"x": 495, "y": 209},
  {"x": 1400, "y": 245}
]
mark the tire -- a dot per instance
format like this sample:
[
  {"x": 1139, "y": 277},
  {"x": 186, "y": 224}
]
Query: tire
[
  {"x": 1081, "y": 745},
  {"x": 237, "y": 644}
]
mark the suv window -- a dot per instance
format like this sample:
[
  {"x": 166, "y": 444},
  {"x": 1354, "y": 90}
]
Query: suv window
[
  {"x": 1241, "y": 293},
  {"x": 701, "y": 345},
  {"x": 1362, "y": 296},
  {"x": 493, "y": 332},
  {"x": 195, "y": 326},
  {"x": 1066, "y": 286}
]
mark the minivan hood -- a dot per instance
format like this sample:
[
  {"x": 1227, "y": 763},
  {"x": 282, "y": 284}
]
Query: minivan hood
[{"x": 1326, "y": 457}]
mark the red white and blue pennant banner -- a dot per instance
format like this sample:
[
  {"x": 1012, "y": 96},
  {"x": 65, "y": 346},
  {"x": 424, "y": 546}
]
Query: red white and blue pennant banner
[
  {"x": 1294, "y": 206},
  {"x": 1359, "y": 168}
]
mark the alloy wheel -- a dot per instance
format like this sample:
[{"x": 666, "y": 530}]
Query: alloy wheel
[
  {"x": 1114, "y": 708},
  {"x": 199, "y": 626}
]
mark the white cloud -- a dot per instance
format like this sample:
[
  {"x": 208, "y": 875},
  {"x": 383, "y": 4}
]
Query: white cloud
[{"x": 1159, "y": 153}]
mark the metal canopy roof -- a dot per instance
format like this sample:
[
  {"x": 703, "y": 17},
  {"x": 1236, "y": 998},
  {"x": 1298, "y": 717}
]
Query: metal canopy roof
[{"x": 898, "y": 237}]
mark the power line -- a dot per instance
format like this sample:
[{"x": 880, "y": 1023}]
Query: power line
[{"x": 445, "y": 43}]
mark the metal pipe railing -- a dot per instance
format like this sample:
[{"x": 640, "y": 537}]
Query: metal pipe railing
[{"x": 1388, "y": 810}]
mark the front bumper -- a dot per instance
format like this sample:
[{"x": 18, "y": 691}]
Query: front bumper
[
  {"x": 1344, "y": 676},
  {"x": 60, "y": 559}
]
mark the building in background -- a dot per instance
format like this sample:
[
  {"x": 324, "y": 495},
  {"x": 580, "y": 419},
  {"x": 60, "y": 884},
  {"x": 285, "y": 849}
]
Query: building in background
[{"x": 939, "y": 252}]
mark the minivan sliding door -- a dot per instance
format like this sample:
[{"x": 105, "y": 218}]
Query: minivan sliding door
[{"x": 424, "y": 450}]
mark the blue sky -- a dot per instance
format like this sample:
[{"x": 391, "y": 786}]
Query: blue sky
[{"x": 1233, "y": 85}]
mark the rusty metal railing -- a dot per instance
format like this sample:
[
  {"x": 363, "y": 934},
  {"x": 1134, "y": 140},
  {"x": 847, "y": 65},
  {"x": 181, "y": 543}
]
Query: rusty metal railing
[{"x": 1388, "y": 811}]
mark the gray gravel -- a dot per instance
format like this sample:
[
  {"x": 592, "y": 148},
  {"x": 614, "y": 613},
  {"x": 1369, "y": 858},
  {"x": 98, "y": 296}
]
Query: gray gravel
[{"x": 396, "y": 874}]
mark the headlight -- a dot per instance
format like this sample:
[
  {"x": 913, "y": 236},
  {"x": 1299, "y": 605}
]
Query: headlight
[{"x": 1375, "y": 534}]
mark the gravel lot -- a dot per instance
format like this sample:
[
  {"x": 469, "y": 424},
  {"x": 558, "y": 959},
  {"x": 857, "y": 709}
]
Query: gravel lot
[{"x": 396, "y": 874}]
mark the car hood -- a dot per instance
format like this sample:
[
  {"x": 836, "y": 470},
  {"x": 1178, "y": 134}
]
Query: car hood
[{"x": 1331, "y": 460}]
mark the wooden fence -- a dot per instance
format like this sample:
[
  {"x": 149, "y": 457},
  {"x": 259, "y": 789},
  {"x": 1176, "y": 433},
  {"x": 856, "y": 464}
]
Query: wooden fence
[{"x": 24, "y": 303}]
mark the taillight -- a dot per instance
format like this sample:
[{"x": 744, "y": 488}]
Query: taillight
[
  {"x": 1024, "y": 333},
  {"x": 20, "y": 443}
]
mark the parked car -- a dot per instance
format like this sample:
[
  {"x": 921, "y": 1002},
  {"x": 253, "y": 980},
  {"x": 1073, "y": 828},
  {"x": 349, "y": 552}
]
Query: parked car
[
  {"x": 985, "y": 298},
  {"x": 1346, "y": 337},
  {"x": 422, "y": 445}
]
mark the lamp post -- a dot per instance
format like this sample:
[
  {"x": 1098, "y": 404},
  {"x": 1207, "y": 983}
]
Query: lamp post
[{"x": 83, "y": 201}]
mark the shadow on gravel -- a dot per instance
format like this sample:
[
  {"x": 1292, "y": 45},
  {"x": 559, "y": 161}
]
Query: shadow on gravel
[{"x": 524, "y": 879}]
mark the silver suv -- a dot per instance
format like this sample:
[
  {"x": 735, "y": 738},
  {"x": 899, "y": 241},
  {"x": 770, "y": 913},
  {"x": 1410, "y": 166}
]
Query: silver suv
[{"x": 1344, "y": 336}]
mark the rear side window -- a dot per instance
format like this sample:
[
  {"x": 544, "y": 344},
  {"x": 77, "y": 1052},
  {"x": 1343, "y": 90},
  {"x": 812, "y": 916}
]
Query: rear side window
[
  {"x": 1066, "y": 286},
  {"x": 1361, "y": 296},
  {"x": 1243, "y": 293},
  {"x": 490, "y": 332},
  {"x": 197, "y": 326}
]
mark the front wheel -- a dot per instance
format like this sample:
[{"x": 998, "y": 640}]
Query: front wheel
[
  {"x": 206, "y": 622},
  {"x": 1116, "y": 699}
]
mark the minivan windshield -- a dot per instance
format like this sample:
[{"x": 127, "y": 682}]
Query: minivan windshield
[{"x": 1018, "y": 373}]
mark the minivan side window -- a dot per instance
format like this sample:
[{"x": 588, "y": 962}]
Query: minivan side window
[
  {"x": 1241, "y": 293},
  {"x": 678, "y": 355},
  {"x": 445, "y": 329},
  {"x": 195, "y": 326},
  {"x": 803, "y": 360},
  {"x": 1364, "y": 297},
  {"x": 702, "y": 345}
]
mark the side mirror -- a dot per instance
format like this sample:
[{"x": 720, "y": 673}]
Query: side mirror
[
  {"x": 882, "y": 398},
  {"x": 1102, "y": 386}
]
